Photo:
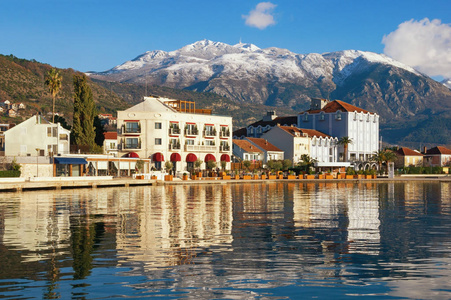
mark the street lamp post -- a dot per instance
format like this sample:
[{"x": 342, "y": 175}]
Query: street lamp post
[{"x": 37, "y": 162}]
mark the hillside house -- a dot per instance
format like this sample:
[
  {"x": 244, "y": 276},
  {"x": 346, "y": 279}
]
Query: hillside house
[
  {"x": 270, "y": 152},
  {"x": 245, "y": 150},
  {"x": 110, "y": 143}
]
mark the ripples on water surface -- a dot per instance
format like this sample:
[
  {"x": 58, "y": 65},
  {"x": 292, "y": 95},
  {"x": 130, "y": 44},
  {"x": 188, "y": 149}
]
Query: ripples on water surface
[{"x": 243, "y": 241}]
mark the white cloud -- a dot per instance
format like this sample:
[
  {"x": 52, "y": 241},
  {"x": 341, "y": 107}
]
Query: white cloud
[
  {"x": 424, "y": 45},
  {"x": 261, "y": 17}
]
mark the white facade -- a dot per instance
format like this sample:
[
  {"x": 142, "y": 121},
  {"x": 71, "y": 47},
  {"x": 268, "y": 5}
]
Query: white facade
[
  {"x": 296, "y": 142},
  {"x": 36, "y": 137},
  {"x": 340, "y": 119},
  {"x": 157, "y": 129}
]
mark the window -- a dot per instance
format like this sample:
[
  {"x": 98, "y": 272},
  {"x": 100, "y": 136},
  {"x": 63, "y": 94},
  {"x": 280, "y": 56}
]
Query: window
[
  {"x": 158, "y": 141},
  {"x": 210, "y": 130},
  {"x": 131, "y": 143},
  {"x": 157, "y": 125},
  {"x": 305, "y": 118},
  {"x": 189, "y": 142},
  {"x": 338, "y": 116},
  {"x": 132, "y": 127},
  {"x": 210, "y": 142},
  {"x": 322, "y": 116},
  {"x": 49, "y": 131}
]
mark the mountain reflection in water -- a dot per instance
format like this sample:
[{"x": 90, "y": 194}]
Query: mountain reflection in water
[{"x": 241, "y": 241}]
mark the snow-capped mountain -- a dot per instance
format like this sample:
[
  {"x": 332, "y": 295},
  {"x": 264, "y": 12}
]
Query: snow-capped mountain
[
  {"x": 274, "y": 76},
  {"x": 447, "y": 83}
]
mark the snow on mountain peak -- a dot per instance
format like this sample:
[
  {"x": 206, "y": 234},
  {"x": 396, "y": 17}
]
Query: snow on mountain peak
[
  {"x": 246, "y": 47},
  {"x": 447, "y": 82}
]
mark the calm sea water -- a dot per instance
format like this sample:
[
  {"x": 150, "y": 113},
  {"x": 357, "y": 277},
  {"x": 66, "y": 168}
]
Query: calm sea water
[{"x": 243, "y": 241}]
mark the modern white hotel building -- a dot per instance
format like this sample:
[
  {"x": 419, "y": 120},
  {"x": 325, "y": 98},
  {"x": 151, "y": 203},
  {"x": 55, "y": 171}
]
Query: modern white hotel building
[{"x": 165, "y": 129}]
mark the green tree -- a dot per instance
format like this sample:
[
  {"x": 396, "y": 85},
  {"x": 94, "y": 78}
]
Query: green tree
[
  {"x": 53, "y": 81},
  {"x": 383, "y": 156},
  {"x": 307, "y": 162},
  {"x": 247, "y": 164},
  {"x": 345, "y": 141},
  {"x": 84, "y": 112},
  {"x": 286, "y": 163}
]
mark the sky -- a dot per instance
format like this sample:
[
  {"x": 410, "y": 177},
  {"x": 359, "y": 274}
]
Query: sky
[{"x": 97, "y": 35}]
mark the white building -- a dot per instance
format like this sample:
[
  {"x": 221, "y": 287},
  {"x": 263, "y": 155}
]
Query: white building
[
  {"x": 339, "y": 119},
  {"x": 173, "y": 130},
  {"x": 269, "y": 121},
  {"x": 244, "y": 150},
  {"x": 36, "y": 137},
  {"x": 296, "y": 142},
  {"x": 270, "y": 152},
  {"x": 110, "y": 143}
]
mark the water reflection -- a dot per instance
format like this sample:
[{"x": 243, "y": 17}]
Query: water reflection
[{"x": 238, "y": 241}]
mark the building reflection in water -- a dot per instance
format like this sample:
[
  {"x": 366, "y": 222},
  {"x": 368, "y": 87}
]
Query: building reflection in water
[{"x": 240, "y": 236}]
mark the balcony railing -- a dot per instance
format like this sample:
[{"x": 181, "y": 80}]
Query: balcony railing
[
  {"x": 224, "y": 148},
  {"x": 200, "y": 148},
  {"x": 224, "y": 133},
  {"x": 132, "y": 146},
  {"x": 209, "y": 132},
  {"x": 174, "y": 146},
  {"x": 174, "y": 130},
  {"x": 132, "y": 130},
  {"x": 191, "y": 132}
]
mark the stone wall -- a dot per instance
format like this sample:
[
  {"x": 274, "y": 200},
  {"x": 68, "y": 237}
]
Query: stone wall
[{"x": 30, "y": 170}]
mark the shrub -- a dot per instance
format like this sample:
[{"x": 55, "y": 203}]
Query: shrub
[{"x": 10, "y": 173}]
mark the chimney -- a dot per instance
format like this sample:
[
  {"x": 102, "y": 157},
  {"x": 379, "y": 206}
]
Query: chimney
[
  {"x": 318, "y": 103},
  {"x": 425, "y": 149},
  {"x": 270, "y": 115}
]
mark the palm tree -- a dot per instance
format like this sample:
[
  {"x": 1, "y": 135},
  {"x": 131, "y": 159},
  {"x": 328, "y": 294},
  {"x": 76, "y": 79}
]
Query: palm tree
[
  {"x": 345, "y": 141},
  {"x": 307, "y": 161},
  {"x": 383, "y": 156},
  {"x": 53, "y": 80}
]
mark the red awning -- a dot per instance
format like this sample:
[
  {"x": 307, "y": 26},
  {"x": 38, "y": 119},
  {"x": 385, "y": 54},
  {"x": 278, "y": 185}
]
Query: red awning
[
  {"x": 132, "y": 154},
  {"x": 209, "y": 157},
  {"x": 225, "y": 157},
  {"x": 158, "y": 157},
  {"x": 176, "y": 157},
  {"x": 191, "y": 158}
]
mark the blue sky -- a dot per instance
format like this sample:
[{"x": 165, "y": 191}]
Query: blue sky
[{"x": 96, "y": 35}]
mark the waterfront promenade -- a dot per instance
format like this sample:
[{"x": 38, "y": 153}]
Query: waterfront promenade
[{"x": 31, "y": 184}]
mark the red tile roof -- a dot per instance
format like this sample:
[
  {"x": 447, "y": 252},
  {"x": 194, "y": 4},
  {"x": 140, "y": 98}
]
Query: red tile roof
[
  {"x": 310, "y": 132},
  {"x": 336, "y": 105},
  {"x": 407, "y": 152},
  {"x": 246, "y": 146},
  {"x": 263, "y": 144},
  {"x": 111, "y": 135},
  {"x": 439, "y": 150}
]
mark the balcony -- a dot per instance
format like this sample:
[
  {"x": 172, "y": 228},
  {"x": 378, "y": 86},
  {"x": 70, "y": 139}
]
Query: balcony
[
  {"x": 224, "y": 133},
  {"x": 173, "y": 131},
  {"x": 209, "y": 133},
  {"x": 193, "y": 148},
  {"x": 191, "y": 132},
  {"x": 174, "y": 147},
  {"x": 132, "y": 146},
  {"x": 225, "y": 148},
  {"x": 131, "y": 130}
]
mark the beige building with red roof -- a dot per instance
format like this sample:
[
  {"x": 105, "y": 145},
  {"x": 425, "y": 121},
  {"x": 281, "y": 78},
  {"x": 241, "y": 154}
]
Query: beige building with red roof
[
  {"x": 339, "y": 119},
  {"x": 296, "y": 142},
  {"x": 438, "y": 157},
  {"x": 270, "y": 152},
  {"x": 408, "y": 157}
]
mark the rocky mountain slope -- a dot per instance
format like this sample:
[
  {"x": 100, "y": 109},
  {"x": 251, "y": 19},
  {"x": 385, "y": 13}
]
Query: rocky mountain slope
[{"x": 22, "y": 80}]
